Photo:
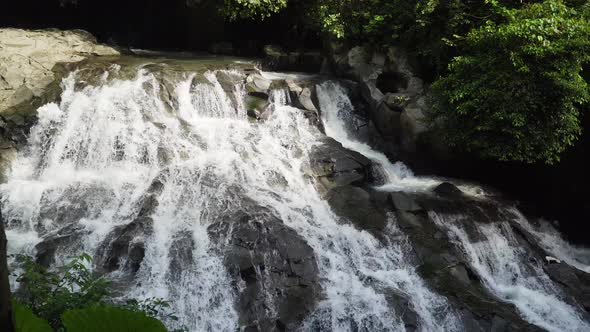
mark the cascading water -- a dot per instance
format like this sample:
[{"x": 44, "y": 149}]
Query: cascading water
[
  {"x": 497, "y": 257},
  {"x": 337, "y": 112},
  {"x": 93, "y": 160},
  {"x": 509, "y": 273},
  {"x": 551, "y": 241}
]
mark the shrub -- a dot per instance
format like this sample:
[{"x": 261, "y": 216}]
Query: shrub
[
  {"x": 51, "y": 293},
  {"x": 516, "y": 93}
]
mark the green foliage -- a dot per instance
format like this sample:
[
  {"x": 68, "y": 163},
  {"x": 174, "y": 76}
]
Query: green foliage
[
  {"x": 253, "y": 9},
  {"x": 153, "y": 307},
  {"x": 26, "y": 321},
  {"x": 108, "y": 318},
  {"x": 515, "y": 93},
  {"x": 51, "y": 292}
]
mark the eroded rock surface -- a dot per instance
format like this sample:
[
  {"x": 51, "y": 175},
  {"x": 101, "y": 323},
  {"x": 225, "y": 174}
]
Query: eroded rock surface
[{"x": 274, "y": 265}]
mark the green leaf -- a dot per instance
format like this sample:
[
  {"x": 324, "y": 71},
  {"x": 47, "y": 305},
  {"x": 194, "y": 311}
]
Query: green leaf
[
  {"x": 111, "y": 319},
  {"x": 26, "y": 321}
]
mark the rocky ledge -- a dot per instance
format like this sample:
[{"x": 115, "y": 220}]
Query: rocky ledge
[{"x": 30, "y": 75}]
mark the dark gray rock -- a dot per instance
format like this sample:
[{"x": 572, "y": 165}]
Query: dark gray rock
[
  {"x": 124, "y": 247},
  {"x": 355, "y": 205},
  {"x": 180, "y": 254},
  {"x": 576, "y": 282},
  {"x": 57, "y": 243},
  {"x": 66, "y": 207},
  {"x": 448, "y": 190},
  {"x": 404, "y": 202},
  {"x": 445, "y": 268},
  {"x": 333, "y": 165},
  {"x": 275, "y": 267},
  {"x": 388, "y": 121}
]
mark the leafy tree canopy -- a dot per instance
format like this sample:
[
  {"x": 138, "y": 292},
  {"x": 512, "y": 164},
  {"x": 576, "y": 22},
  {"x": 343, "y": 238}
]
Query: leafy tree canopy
[{"x": 516, "y": 92}]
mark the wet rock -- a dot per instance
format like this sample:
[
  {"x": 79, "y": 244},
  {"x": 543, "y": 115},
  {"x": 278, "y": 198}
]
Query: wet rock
[
  {"x": 255, "y": 105},
  {"x": 275, "y": 267},
  {"x": 181, "y": 254},
  {"x": 355, "y": 205},
  {"x": 576, "y": 282},
  {"x": 64, "y": 207},
  {"x": 256, "y": 85},
  {"x": 303, "y": 95},
  {"x": 448, "y": 190},
  {"x": 404, "y": 202},
  {"x": 403, "y": 308},
  {"x": 388, "y": 121},
  {"x": 124, "y": 247},
  {"x": 412, "y": 124},
  {"x": 333, "y": 165},
  {"x": 62, "y": 242},
  {"x": 253, "y": 113},
  {"x": 392, "y": 90},
  {"x": 306, "y": 98},
  {"x": 7, "y": 155},
  {"x": 444, "y": 267}
]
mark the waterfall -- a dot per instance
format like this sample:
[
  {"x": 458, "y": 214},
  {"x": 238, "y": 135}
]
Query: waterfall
[
  {"x": 552, "y": 242},
  {"x": 117, "y": 157},
  {"x": 508, "y": 272},
  {"x": 497, "y": 257},
  {"x": 337, "y": 111}
]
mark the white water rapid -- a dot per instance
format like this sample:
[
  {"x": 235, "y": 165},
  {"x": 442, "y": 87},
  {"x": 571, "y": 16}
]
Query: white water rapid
[
  {"x": 508, "y": 273},
  {"x": 92, "y": 158},
  {"x": 497, "y": 257},
  {"x": 337, "y": 111}
]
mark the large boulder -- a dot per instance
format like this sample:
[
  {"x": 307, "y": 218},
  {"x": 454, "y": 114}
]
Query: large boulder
[
  {"x": 27, "y": 58},
  {"x": 274, "y": 269},
  {"x": 334, "y": 166},
  {"x": 355, "y": 205}
]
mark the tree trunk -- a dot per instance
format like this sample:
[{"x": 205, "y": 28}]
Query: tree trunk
[{"x": 6, "y": 321}]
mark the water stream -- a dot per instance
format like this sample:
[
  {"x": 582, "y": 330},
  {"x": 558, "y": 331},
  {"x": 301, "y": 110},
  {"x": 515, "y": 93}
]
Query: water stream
[{"x": 93, "y": 157}]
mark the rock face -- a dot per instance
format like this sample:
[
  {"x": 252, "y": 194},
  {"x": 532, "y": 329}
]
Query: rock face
[
  {"x": 444, "y": 267},
  {"x": 334, "y": 166},
  {"x": 124, "y": 247},
  {"x": 576, "y": 282},
  {"x": 275, "y": 267},
  {"x": 29, "y": 77},
  {"x": 27, "y": 59},
  {"x": 394, "y": 93}
]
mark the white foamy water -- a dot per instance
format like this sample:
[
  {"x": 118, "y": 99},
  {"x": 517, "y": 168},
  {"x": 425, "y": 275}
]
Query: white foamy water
[
  {"x": 551, "y": 241},
  {"x": 337, "y": 111},
  {"x": 498, "y": 258},
  {"x": 507, "y": 272},
  {"x": 91, "y": 159}
]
